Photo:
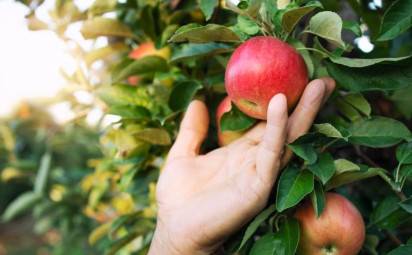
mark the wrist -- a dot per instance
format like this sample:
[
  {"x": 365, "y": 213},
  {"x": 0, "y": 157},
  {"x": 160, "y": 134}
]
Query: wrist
[{"x": 163, "y": 245}]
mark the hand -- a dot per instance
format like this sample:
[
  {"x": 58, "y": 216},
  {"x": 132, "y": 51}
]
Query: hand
[{"x": 202, "y": 199}]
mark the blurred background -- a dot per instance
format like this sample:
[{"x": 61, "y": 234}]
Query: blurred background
[{"x": 78, "y": 158}]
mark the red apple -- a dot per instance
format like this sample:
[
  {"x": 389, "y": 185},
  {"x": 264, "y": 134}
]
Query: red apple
[
  {"x": 339, "y": 230},
  {"x": 144, "y": 50},
  {"x": 260, "y": 68},
  {"x": 225, "y": 137}
]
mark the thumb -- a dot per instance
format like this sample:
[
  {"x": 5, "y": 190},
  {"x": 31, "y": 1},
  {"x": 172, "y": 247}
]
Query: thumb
[{"x": 193, "y": 131}]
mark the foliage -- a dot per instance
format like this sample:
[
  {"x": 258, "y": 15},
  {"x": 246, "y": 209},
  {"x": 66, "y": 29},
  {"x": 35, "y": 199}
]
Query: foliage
[{"x": 360, "y": 146}]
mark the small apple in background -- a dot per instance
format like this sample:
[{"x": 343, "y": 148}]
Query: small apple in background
[
  {"x": 339, "y": 230},
  {"x": 225, "y": 137},
  {"x": 260, "y": 68},
  {"x": 143, "y": 50}
]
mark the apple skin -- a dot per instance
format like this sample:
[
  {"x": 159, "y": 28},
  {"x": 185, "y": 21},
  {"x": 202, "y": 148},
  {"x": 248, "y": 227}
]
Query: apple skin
[
  {"x": 260, "y": 68},
  {"x": 225, "y": 137},
  {"x": 339, "y": 230},
  {"x": 143, "y": 50}
]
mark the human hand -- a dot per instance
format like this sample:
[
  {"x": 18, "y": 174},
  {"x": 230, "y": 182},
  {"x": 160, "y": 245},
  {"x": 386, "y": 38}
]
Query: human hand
[{"x": 204, "y": 198}]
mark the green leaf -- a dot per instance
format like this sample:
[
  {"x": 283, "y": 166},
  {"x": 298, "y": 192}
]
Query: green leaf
[
  {"x": 353, "y": 176},
  {"x": 157, "y": 136},
  {"x": 204, "y": 34},
  {"x": 235, "y": 120},
  {"x": 352, "y": 26},
  {"x": 365, "y": 62},
  {"x": 348, "y": 110},
  {"x": 207, "y": 7},
  {"x": 196, "y": 50},
  {"x": 117, "y": 94},
  {"x": 328, "y": 130},
  {"x": 247, "y": 26},
  {"x": 318, "y": 199},
  {"x": 149, "y": 64},
  {"x": 182, "y": 94},
  {"x": 378, "y": 132},
  {"x": 402, "y": 250},
  {"x": 371, "y": 243},
  {"x": 396, "y": 20},
  {"x": 102, "y": 6},
  {"x": 359, "y": 103},
  {"x": 381, "y": 77},
  {"x": 324, "y": 168},
  {"x": 327, "y": 25},
  {"x": 344, "y": 165},
  {"x": 292, "y": 16},
  {"x": 293, "y": 186},
  {"x": 267, "y": 245},
  {"x": 402, "y": 101},
  {"x": 406, "y": 205},
  {"x": 300, "y": 47},
  {"x": 254, "y": 225},
  {"x": 100, "y": 26},
  {"x": 130, "y": 111},
  {"x": 304, "y": 151},
  {"x": 21, "y": 204},
  {"x": 42, "y": 174},
  {"x": 388, "y": 214},
  {"x": 404, "y": 153},
  {"x": 285, "y": 241}
]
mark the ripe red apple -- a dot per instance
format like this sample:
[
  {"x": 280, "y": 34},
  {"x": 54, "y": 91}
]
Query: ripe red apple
[
  {"x": 225, "y": 137},
  {"x": 260, "y": 68},
  {"x": 144, "y": 50},
  {"x": 339, "y": 230}
]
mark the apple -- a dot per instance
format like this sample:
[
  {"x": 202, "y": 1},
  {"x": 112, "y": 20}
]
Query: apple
[
  {"x": 339, "y": 230},
  {"x": 225, "y": 137},
  {"x": 260, "y": 68},
  {"x": 143, "y": 50}
]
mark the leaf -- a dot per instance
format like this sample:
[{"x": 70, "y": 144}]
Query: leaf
[
  {"x": 404, "y": 153},
  {"x": 293, "y": 186},
  {"x": 99, "y": 232},
  {"x": 327, "y": 25},
  {"x": 300, "y": 47},
  {"x": 365, "y": 62},
  {"x": 21, "y": 204},
  {"x": 207, "y": 7},
  {"x": 380, "y": 77},
  {"x": 101, "y": 53},
  {"x": 304, "y": 151},
  {"x": 42, "y": 174},
  {"x": 318, "y": 199},
  {"x": 195, "y": 50},
  {"x": 352, "y": 26},
  {"x": 235, "y": 120},
  {"x": 117, "y": 94},
  {"x": 182, "y": 94},
  {"x": 247, "y": 26},
  {"x": 100, "y": 26},
  {"x": 204, "y": 34},
  {"x": 402, "y": 250},
  {"x": 402, "y": 101},
  {"x": 157, "y": 136},
  {"x": 344, "y": 165},
  {"x": 406, "y": 205},
  {"x": 396, "y": 20},
  {"x": 267, "y": 245},
  {"x": 328, "y": 130},
  {"x": 371, "y": 243},
  {"x": 130, "y": 111},
  {"x": 285, "y": 241},
  {"x": 292, "y": 17},
  {"x": 353, "y": 176},
  {"x": 324, "y": 168},
  {"x": 388, "y": 214},
  {"x": 102, "y": 6},
  {"x": 359, "y": 102},
  {"x": 378, "y": 132},
  {"x": 254, "y": 225},
  {"x": 149, "y": 64},
  {"x": 348, "y": 110}
]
